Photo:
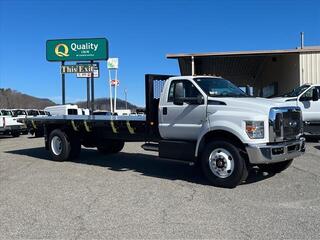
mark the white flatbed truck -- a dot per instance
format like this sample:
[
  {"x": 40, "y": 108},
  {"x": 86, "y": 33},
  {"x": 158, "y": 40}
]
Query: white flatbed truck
[{"x": 199, "y": 119}]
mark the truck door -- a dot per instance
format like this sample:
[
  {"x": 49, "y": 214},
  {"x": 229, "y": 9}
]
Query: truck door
[
  {"x": 182, "y": 121},
  {"x": 310, "y": 109}
]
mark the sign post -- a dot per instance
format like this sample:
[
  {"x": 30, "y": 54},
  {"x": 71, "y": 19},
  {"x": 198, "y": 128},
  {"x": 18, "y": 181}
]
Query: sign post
[
  {"x": 63, "y": 86},
  {"x": 92, "y": 90},
  {"x": 96, "y": 73},
  {"x": 113, "y": 64},
  {"x": 88, "y": 92}
]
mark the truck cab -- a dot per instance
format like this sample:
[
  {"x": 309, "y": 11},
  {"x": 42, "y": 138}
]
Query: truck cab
[
  {"x": 228, "y": 131},
  {"x": 9, "y": 124},
  {"x": 307, "y": 98}
]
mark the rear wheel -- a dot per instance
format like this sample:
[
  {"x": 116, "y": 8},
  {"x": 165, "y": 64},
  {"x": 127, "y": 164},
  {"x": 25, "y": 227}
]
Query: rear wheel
[
  {"x": 59, "y": 145},
  {"x": 15, "y": 134},
  {"x": 223, "y": 165},
  {"x": 111, "y": 146},
  {"x": 276, "y": 167}
]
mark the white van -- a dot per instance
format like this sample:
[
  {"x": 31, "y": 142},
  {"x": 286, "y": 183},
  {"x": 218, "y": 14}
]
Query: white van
[
  {"x": 122, "y": 112},
  {"x": 84, "y": 111},
  {"x": 68, "y": 109}
]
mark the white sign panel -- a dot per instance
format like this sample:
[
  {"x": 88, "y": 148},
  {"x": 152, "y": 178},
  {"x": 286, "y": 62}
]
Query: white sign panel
[
  {"x": 88, "y": 75},
  {"x": 113, "y": 63}
]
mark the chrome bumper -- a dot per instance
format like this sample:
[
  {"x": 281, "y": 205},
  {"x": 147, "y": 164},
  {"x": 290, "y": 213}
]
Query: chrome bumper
[{"x": 263, "y": 153}]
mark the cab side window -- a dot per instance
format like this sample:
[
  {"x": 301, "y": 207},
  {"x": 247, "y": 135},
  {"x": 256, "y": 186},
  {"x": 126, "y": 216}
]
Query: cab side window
[
  {"x": 307, "y": 96},
  {"x": 189, "y": 89}
]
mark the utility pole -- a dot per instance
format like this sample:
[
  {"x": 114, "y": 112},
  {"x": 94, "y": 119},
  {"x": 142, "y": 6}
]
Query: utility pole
[
  {"x": 301, "y": 40},
  {"x": 125, "y": 97},
  {"x": 92, "y": 89}
]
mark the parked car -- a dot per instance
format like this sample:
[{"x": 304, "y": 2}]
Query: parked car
[
  {"x": 9, "y": 124},
  {"x": 307, "y": 98}
]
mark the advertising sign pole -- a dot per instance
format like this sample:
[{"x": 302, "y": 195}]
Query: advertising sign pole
[
  {"x": 88, "y": 92},
  {"x": 92, "y": 90},
  {"x": 63, "y": 86},
  {"x": 110, "y": 88},
  {"x": 115, "y": 90},
  {"x": 125, "y": 94}
]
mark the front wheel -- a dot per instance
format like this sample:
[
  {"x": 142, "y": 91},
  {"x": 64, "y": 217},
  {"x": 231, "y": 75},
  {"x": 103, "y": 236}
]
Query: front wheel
[
  {"x": 15, "y": 134},
  {"x": 223, "y": 165}
]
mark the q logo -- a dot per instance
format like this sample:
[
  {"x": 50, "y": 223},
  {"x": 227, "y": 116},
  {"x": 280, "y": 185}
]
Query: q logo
[{"x": 61, "y": 50}]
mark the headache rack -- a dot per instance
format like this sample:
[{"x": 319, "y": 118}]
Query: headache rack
[{"x": 153, "y": 88}]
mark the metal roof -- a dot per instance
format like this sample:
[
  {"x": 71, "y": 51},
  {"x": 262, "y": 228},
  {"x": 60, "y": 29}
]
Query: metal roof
[{"x": 307, "y": 49}]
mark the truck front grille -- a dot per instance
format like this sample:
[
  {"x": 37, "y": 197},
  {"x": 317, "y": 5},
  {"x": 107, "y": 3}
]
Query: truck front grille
[{"x": 285, "y": 123}]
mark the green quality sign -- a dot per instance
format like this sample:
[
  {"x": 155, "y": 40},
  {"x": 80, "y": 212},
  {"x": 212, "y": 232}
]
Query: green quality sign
[{"x": 82, "y": 49}]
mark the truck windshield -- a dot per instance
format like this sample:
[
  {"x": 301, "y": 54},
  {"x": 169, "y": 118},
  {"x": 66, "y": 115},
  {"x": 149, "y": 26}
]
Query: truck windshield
[
  {"x": 219, "y": 87},
  {"x": 33, "y": 113},
  {"x": 296, "y": 92},
  {"x": 20, "y": 112},
  {"x": 6, "y": 113}
]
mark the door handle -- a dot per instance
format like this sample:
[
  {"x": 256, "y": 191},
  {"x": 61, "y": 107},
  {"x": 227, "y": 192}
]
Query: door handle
[{"x": 165, "y": 111}]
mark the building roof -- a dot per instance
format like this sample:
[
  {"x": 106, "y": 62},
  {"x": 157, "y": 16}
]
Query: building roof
[{"x": 306, "y": 49}]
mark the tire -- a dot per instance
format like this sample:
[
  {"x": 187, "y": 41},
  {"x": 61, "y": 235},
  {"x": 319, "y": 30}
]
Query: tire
[
  {"x": 59, "y": 145},
  {"x": 112, "y": 146},
  {"x": 223, "y": 165},
  {"x": 15, "y": 134},
  {"x": 276, "y": 167}
]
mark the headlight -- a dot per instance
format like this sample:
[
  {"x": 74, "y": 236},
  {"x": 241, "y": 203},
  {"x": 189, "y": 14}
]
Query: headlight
[{"x": 255, "y": 129}]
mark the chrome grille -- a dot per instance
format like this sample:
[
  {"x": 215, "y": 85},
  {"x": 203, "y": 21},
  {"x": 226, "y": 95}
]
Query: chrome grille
[{"x": 285, "y": 123}]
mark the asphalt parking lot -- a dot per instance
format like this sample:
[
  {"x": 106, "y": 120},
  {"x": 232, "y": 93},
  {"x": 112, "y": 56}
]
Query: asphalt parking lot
[{"x": 135, "y": 195}]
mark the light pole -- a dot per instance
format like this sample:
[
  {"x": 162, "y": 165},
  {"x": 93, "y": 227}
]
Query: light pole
[{"x": 125, "y": 97}]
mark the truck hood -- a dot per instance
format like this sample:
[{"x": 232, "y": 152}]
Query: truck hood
[
  {"x": 248, "y": 104},
  {"x": 284, "y": 99}
]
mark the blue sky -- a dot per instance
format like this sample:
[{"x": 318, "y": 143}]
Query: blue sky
[{"x": 140, "y": 33}]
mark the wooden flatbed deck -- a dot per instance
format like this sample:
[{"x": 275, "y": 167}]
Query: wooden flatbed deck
[{"x": 128, "y": 128}]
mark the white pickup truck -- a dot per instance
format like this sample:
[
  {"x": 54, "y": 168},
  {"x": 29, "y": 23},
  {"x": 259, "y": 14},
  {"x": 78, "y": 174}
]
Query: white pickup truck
[
  {"x": 307, "y": 98},
  {"x": 9, "y": 124},
  {"x": 198, "y": 119}
]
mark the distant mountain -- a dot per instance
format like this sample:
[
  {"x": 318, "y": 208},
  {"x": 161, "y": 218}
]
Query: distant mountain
[
  {"x": 12, "y": 99},
  {"x": 104, "y": 104}
]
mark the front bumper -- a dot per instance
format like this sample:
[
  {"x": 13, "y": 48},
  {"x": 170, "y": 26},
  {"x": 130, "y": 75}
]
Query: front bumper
[
  {"x": 14, "y": 128},
  {"x": 272, "y": 153}
]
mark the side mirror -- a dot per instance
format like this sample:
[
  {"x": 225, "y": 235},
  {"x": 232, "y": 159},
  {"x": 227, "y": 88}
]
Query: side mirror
[
  {"x": 200, "y": 99},
  {"x": 315, "y": 94},
  {"x": 178, "y": 94}
]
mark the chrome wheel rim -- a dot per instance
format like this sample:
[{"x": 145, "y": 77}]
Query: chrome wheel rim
[
  {"x": 56, "y": 145},
  {"x": 221, "y": 163}
]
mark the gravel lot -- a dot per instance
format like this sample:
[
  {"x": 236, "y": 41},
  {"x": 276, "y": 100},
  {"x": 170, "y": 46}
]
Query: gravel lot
[{"x": 135, "y": 195}]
